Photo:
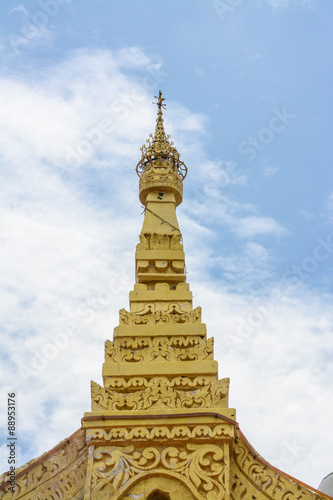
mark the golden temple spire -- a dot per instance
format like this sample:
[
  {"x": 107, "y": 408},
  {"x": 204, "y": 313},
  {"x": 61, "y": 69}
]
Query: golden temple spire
[
  {"x": 160, "y": 257},
  {"x": 160, "y": 427}
]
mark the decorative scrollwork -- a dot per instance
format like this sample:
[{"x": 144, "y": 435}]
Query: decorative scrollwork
[
  {"x": 200, "y": 466},
  {"x": 176, "y": 341},
  {"x": 122, "y": 384},
  {"x": 51, "y": 477},
  {"x": 163, "y": 433},
  {"x": 149, "y": 315},
  {"x": 158, "y": 348},
  {"x": 159, "y": 395},
  {"x": 250, "y": 474}
]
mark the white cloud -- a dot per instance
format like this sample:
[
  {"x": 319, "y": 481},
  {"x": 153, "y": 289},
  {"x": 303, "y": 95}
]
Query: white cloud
[
  {"x": 275, "y": 346},
  {"x": 134, "y": 58},
  {"x": 283, "y": 4},
  {"x": 208, "y": 205},
  {"x": 305, "y": 214},
  {"x": 199, "y": 72},
  {"x": 268, "y": 171},
  {"x": 69, "y": 242},
  {"x": 19, "y": 8},
  {"x": 246, "y": 268},
  {"x": 328, "y": 208},
  {"x": 253, "y": 225},
  {"x": 278, "y": 4}
]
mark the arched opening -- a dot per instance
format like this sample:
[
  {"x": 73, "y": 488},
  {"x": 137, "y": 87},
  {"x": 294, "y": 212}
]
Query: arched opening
[
  {"x": 158, "y": 495},
  {"x": 160, "y": 486}
]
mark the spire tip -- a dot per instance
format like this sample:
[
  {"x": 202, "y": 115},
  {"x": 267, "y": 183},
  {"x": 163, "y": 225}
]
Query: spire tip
[{"x": 160, "y": 101}]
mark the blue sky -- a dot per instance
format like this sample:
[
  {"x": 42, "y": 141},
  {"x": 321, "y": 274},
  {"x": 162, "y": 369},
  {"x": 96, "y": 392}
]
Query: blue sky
[{"x": 249, "y": 106}]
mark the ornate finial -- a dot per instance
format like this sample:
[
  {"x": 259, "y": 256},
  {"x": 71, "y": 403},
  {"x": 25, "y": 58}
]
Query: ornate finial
[{"x": 158, "y": 151}]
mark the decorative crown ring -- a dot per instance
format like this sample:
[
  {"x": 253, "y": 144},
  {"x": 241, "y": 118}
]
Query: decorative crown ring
[{"x": 180, "y": 165}]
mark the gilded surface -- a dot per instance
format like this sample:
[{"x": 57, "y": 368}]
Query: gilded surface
[
  {"x": 60, "y": 474},
  {"x": 160, "y": 166},
  {"x": 158, "y": 349},
  {"x": 160, "y": 242},
  {"x": 157, "y": 175},
  {"x": 151, "y": 315},
  {"x": 176, "y": 341},
  {"x": 147, "y": 268},
  {"x": 160, "y": 394},
  {"x": 163, "y": 433},
  {"x": 159, "y": 150},
  {"x": 128, "y": 384},
  {"x": 201, "y": 467}
]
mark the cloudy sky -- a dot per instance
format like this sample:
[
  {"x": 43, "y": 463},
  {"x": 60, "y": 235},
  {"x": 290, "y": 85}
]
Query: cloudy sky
[{"x": 248, "y": 89}]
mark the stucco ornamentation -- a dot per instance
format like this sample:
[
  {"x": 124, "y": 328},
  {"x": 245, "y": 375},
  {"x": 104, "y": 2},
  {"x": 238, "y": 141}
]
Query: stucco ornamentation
[
  {"x": 158, "y": 349},
  {"x": 150, "y": 315},
  {"x": 162, "y": 433},
  {"x": 59, "y": 474},
  {"x": 251, "y": 476},
  {"x": 123, "y": 384},
  {"x": 159, "y": 394},
  {"x": 200, "y": 467}
]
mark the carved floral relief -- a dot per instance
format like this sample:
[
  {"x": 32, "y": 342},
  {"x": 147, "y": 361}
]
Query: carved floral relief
[
  {"x": 201, "y": 467},
  {"x": 159, "y": 395}
]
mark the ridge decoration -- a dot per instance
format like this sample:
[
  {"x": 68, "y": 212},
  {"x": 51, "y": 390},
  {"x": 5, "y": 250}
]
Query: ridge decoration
[
  {"x": 58, "y": 474},
  {"x": 253, "y": 477}
]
